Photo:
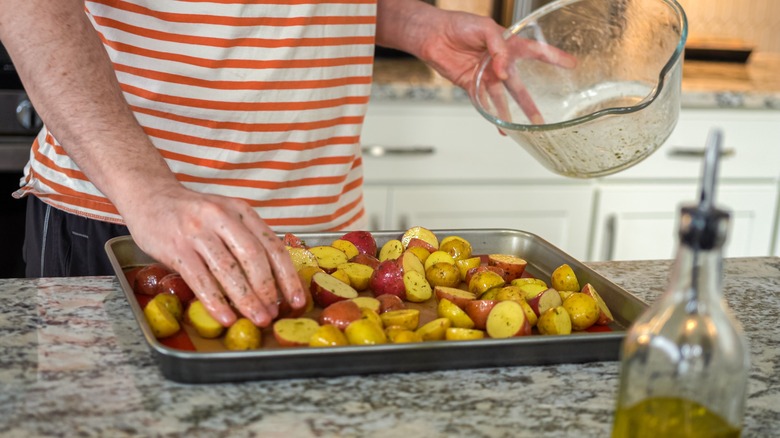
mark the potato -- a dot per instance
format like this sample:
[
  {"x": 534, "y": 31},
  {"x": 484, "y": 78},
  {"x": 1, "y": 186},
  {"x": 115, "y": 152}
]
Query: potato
[
  {"x": 605, "y": 315},
  {"x": 326, "y": 289},
  {"x": 459, "y": 297},
  {"x": 417, "y": 288},
  {"x": 512, "y": 265},
  {"x": 555, "y": 321},
  {"x": 243, "y": 335},
  {"x": 404, "y": 336},
  {"x": 408, "y": 319},
  {"x": 438, "y": 257},
  {"x": 434, "y": 330},
  {"x": 458, "y": 247},
  {"x": 388, "y": 302},
  {"x": 340, "y": 314},
  {"x": 291, "y": 240},
  {"x": 160, "y": 319},
  {"x": 206, "y": 326},
  {"x": 391, "y": 250},
  {"x": 457, "y": 316},
  {"x": 172, "y": 303},
  {"x": 420, "y": 252},
  {"x": 301, "y": 257},
  {"x": 563, "y": 278},
  {"x": 368, "y": 303},
  {"x": 359, "y": 275},
  {"x": 463, "y": 334},
  {"x": 148, "y": 277},
  {"x": 478, "y": 311},
  {"x": 341, "y": 276},
  {"x": 583, "y": 310},
  {"x": 365, "y": 332},
  {"x": 328, "y": 257},
  {"x": 328, "y": 336},
  {"x": 175, "y": 284},
  {"x": 388, "y": 278},
  {"x": 421, "y": 233},
  {"x": 464, "y": 265},
  {"x": 372, "y": 316},
  {"x": 506, "y": 320},
  {"x": 347, "y": 247},
  {"x": 419, "y": 243},
  {"x": 482, "y": 268},
  {"x": 443, "y": 274},
  {"x": 482, "y": 281},
  {"x": 366, "y": 259},
  {"x": 410, "y": 262},
  {"x": 529, "y": 280},
  {"x": 363, "y": 240},
  {"x": 294, "y": 332}
]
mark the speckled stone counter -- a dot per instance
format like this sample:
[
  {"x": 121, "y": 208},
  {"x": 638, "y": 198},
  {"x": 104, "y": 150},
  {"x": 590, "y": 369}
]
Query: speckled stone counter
[
  {"x": 754, "y": 85},
  {"x": 73, "y": 363}
]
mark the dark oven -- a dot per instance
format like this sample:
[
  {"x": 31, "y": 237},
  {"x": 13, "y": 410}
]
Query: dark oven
[{"x": 19, "y": 124}]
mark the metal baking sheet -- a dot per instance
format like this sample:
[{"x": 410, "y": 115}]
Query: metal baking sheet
[{"x": 277, "y": 363}]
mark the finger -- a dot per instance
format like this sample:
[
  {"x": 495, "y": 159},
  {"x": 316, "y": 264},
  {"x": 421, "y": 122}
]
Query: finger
[
  {"x": 520, "y": 94},
  {"x": 230, "y": 274},
  {"x": 284, "y": 272},
  {"x": 498, "y": 50},
  {"x": 525, "y": 48},
  {"x": 197, "y": 275},
  {"x": 495, "y": 90}
]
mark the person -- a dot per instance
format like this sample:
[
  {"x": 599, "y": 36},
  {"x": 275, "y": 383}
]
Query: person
[{"x": 203, "y": 128}]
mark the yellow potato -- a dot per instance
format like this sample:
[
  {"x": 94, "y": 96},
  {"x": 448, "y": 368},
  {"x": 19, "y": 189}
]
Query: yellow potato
[
  {"x": 301, "y": 257},
  {"x": 409, "y": 319},
  {"x": 328, "y": 257},
  {"x": 359, "y": 274},
  {"x": 583, "y": 310},
  {"x": 365, "y": 332},
  {"x": 434, "y": 330},
  {"x": 204, "y": 323},
  {"x": 482, "y": 281},
  {"x": 160, "y": 319},
  {"x": 554, "y": 321},
  {"x": 349, "y": 248},
  {"x": 456, "y": 315},
  {"x": 342, "y": 276},
  {"x": 438, "y": 257},
  {"x": 465, "y": 264},
  {"x": 417, "y": 288},
  {"x": 243, "y": 335},
  {"x": 405, "y": 337},
  {"x": 458, "y": 247},
  {"x": 528, "y": 280},
  {"x": 443, "y": 274},
  {"x": 371, "y": 316},
  {"x": 420, "y": 252},
  {"x": 391, "y": 250},
  {"x": 172, "y": 303},
  {"x": 328, "y": 335},
  {"x": 462, "y": 334},
  {"x": 490, "y": 294},
  {"x": 563, "y": 278}
]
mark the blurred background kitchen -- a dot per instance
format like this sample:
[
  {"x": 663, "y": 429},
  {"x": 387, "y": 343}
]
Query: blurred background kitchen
[{"x": 458, "y": 173}]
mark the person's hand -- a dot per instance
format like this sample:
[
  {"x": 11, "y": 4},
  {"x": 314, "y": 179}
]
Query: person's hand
[
  {"x": 458, "y": 43},
  {"x": 222, "y": 249}
]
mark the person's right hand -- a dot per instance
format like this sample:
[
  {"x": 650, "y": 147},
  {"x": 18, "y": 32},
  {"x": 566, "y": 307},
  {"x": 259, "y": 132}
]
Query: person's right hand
[{"x": 222, "y": 249}]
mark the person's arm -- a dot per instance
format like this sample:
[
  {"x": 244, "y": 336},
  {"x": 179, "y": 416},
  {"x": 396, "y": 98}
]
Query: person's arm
[{"x": 216, "y": 243}]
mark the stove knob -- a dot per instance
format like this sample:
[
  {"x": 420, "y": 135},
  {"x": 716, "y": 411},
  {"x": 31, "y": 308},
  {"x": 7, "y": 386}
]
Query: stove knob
[{"x": 26, "y": 115}]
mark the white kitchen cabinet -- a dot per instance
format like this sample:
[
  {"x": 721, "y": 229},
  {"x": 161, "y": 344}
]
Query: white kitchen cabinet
[
  {"x": 639, "y": 221},
  {"x": 441, "y": 165}
]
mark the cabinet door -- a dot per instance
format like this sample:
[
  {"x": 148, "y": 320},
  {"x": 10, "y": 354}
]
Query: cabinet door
[
  {"x": 639, "y": 221},
  {"x": 375, "y": 202},
  {"x": 558, "y": 214}
]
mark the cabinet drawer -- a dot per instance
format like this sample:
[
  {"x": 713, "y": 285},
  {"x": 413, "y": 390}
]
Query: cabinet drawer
[
  {"x": 441, "y": 142},
  {"x": 751, "y": 146}
]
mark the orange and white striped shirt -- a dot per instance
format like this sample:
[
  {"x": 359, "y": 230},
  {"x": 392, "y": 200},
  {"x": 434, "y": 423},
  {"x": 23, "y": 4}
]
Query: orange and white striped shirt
[{"x": 261, "y": 100}]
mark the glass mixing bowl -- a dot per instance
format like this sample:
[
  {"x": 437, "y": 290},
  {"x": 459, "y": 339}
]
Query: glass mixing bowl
[{"x": 592, "y": 86}]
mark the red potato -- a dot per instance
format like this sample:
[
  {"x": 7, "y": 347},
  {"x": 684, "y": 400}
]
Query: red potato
[
  {"x": 328, "y": 257},
  {"x": 363, "y": 240},
  {"x": 391, "y": 250},
  {"x": 415, "y": 242},
  {"x": 410, "y": 262},
  {"x": 148, "y": 278},
  {"x": 420, "y": 233},
  {"x": 564, "y": 278},
  {"x": 513, "y": 266},
  {"x": 175, "y": 284},
  {"x": 294, "y": 332},
  {"x": 388, "y": 278},
  {"x": 459, "y": 297},
  {"x": 457, "y": 316},
  {"x": 365, "y": 259},
  {"x": 370, "y": 303},
  {"x": 326, "y": 289},
  {"x": 478, "y": 311},
  {"x": 416, "y": 286},
  {"x": 389, "y": 302},
  {"x": 544, "y": 300},
  {"x": 507, "y": 319},
  {"x": 340, "y": 314},
  {"x": 291, "y": 240},
  {"x": 605, "y": 315},
  {"x": 482, "y": 268}
]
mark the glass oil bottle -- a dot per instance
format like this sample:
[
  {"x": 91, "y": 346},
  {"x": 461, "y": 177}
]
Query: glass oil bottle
[{"x": 685, "y": 361}]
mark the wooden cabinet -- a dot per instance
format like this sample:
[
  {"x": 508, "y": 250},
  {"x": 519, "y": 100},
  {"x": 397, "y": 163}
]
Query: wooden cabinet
[{"x": 441, "y": 165}]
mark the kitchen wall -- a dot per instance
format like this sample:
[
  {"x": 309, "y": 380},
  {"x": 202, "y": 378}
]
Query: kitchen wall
[{"x": 755, "y": 21}]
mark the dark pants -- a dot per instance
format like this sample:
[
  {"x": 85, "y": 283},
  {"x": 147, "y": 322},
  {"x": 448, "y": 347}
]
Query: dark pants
[{"x": 60, "y": 244}]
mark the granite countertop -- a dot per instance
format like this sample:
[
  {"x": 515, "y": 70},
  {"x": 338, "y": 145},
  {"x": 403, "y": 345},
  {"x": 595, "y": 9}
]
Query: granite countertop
[
  {"x": 753, "y": 85},
  {"x": 73, "y": 362}
]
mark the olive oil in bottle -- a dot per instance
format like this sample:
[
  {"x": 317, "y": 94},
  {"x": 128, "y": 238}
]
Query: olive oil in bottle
[{"x": 685, "y": 361}]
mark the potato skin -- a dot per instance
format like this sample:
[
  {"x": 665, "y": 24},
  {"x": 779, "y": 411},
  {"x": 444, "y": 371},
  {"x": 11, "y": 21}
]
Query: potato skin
[
  {"x": 583, "y": 310},
  {"x": 243, "y": 335},
  {"x": 443, "y": 274}
]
